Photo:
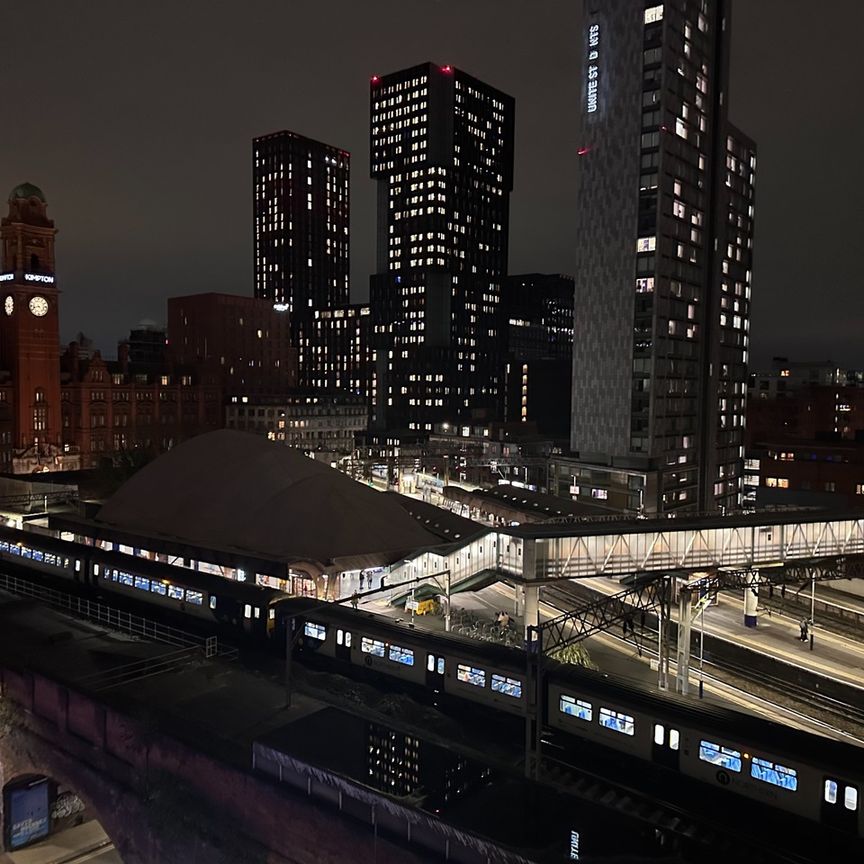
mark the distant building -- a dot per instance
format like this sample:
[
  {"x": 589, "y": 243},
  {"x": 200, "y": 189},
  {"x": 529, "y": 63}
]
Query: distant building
[
  {"x": 301, "y": 203},
  {"x": 537, "y": 311},
  {"x": 111, "y": 412},
  {"x": 664, "y": 231},
  {"x": 805, "y": 436},
  {"x": 31, "y": 437},
  {"x": 315, "y": 422},
  {"x": 145, "y": 349},
  {"x": 340, "y": 352},
  {"x": 240, "y": 341},
  {"x": 441, "y": 152}
]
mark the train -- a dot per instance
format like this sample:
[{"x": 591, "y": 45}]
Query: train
[{"x": 798, "y": 773}]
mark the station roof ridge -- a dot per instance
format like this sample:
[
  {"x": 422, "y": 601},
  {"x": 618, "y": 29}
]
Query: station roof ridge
[{"x": 235, "y": 490}]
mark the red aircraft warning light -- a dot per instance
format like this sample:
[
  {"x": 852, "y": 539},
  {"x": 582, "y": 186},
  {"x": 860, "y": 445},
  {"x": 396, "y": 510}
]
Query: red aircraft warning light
[{"x": 447, "y": 68}]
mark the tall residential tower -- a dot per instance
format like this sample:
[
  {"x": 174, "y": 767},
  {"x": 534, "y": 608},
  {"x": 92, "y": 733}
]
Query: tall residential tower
[
  {"x": 442, "y": 155},
  {"x": 664, "y": 246},
  {"x": 301, "y": 212}
]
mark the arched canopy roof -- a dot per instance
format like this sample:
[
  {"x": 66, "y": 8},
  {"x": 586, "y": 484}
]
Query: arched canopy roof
[{"x": 240, "y": 492}]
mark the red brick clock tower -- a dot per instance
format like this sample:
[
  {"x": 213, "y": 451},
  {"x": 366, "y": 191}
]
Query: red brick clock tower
[{"x": 30, "y": 331}]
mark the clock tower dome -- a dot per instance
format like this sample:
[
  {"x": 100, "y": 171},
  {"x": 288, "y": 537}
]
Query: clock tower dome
[{"x": 29, "y": 328}]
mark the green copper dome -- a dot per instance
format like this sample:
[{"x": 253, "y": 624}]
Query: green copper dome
[{"x": 27, "y": 190}]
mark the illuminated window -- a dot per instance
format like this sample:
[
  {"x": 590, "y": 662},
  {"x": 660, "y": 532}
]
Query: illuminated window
[
  {"x": 197, "y": 598},
  {"x": 471, "y": 675},
  {"x": 776, "y": 775},
  {"x": 401, "y": 655},
  {"x": 654, "y": 13},
  {"x": 850, "y": 798},
  {"x": 575, "y": 707},
  {"x": 176, "y": 593},
  {"x": 831, "y": 791},
  {"x": 646, "y": 244},
  {"x": 315, "y": 631},
  {"x": 507, "y": 686},
  {"x": 617, "y": 721},
  {"x": 724, "y": 757},
  {"x": 372, "y": 646}
]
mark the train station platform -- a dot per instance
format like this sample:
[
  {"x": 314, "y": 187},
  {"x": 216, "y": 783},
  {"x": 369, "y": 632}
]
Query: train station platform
[{"x": 835, "y": 656}]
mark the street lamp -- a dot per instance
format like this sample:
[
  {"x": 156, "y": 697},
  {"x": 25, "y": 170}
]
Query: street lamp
[{"x": 812, "y": 606}]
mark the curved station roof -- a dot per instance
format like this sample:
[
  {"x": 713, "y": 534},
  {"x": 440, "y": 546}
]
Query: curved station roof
[{"x": 239, "y": 492}]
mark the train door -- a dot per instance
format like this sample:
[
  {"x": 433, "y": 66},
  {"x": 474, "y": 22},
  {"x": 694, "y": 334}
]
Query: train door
[
  {"x": 343, "y": 645},
  {"x": 665, "y": 746},
  {"x": 840, "y": 804},
  {"x": 435, "y": 672}
]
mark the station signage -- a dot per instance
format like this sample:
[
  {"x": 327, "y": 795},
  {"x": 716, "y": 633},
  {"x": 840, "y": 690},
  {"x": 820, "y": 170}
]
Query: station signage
[
  {"x": 592, "y": 74},
  {"x": 28, "y": 814},
  {"x": 6, "y": 277},
  {"x": 38, "y": 277}
]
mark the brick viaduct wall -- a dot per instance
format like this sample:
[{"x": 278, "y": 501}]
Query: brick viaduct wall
[{"x": 159, "y": 800}]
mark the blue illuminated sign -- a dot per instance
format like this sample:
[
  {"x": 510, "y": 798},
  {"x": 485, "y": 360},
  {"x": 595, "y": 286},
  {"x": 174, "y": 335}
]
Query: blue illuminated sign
[{"x": 29, "y": 816}]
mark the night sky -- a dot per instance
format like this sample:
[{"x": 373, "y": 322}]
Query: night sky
[{"x": 137, "y": 118}]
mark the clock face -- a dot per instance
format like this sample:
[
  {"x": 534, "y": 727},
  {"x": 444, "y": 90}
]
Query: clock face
[
  {"x": 9, "y": 305},
  {"x": 38, "y": 306}
]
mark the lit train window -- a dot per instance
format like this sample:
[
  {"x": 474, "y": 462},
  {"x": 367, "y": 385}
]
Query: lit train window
[
  {"x": 257, "y": 611},
  {"x": 4, "y": 546},
  {"x": 724, "y": 757},
  {"x": 95, "y": 569},
  {"x": 158, "y": 588},
  {"x": 831, "y": 791},
  {"x": 776, "y": 775},
  {"x": 37, "y": 555},
  {"x": 247, "y": 611},
  {"x": 315, "y": 631},
  {"x": 617, "y": 722},
  {"x": 272, "y": 615},
  {"x": 212, "y": 601},
  {"x": 125, "y": 578},
  {"x": 575, "y": 707},
  {"x": 142, "y": 583},
  {"x": 507, "y": 686},
  {"x": 674, "y": 739},
  {"x": 15, "y": 550},
  {"x": 659, "y": 733},
  {"x": 195, "y": 597},
  {"x": 175, "y": 592},
  {"x": 440, "y": 665},
  {"x": 471, "y": 675},
  {"x": 850, "y": 799},
  {"x": 372, "y": 646},
  {"x": 401, "y": 655},
  {"x": 343, "y": 637}
]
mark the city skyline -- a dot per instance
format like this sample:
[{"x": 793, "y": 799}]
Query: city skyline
[{"x": 167, "y": 212}]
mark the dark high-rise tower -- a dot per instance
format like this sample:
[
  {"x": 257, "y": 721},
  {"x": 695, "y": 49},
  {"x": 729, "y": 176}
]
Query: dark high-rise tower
[
  {"x": 664, "y": 234},
  {"x": 301, "y": 210},
  {"x": 442, "y": 154}
]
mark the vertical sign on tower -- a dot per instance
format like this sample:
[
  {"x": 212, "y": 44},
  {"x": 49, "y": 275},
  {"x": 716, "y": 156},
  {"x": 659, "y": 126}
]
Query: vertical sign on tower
[{"x": 592, "y": 75}]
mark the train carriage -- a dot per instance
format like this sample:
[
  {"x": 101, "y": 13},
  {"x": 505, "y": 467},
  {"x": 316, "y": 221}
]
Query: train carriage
[{"x": 791, "y": 771}]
